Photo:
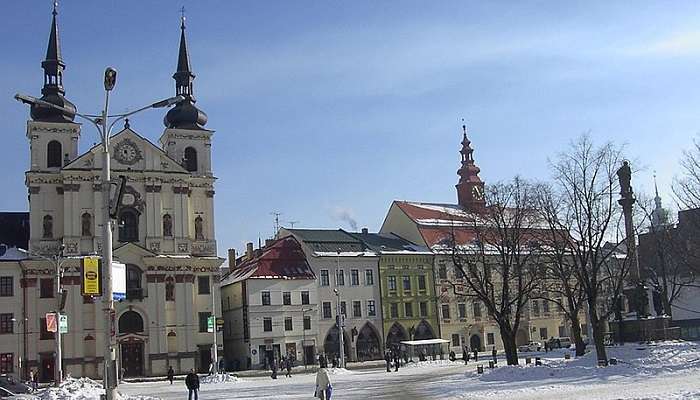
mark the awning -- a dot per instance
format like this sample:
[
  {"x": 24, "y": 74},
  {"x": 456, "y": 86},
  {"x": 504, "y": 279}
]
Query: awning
[{"x": 422, "y": 342}]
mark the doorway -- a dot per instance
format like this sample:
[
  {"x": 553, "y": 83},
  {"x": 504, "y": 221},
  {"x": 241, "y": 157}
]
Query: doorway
[
  {"x": 132, "y": 359},
  {"x": 204, "y": 358},
  {"x": 475, "y": 343},
  {"x": 46, "y": 374}
]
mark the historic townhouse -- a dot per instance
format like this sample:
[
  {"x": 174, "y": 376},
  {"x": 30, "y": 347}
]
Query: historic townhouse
[
  {"x": 164, "y": 235},
  {"x": 269, "y": 302},
  {"x": 409, "y": 304},
  {"x": 463, "y": 321},
  {"x": 348, "y": 279}
]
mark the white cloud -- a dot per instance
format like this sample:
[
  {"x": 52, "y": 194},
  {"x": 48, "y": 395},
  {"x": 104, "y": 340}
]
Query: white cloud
[{"x": 679, "y": 44}]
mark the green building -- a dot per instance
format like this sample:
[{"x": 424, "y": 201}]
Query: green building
[{"x": 407, "y": 287}]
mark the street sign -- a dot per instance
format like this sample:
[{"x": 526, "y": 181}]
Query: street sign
[
  {"x": 51, "y": 324},
  {"x": 63, "y": 323},
  {"x": 91, "y": 283},
  {"x": 210, "y": 324},
  {"x": 118, "y": 281},
  {"x": 219, "y": 324}
]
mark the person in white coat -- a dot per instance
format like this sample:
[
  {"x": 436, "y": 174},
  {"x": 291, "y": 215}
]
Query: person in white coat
[{"x": 323, "y": 383}]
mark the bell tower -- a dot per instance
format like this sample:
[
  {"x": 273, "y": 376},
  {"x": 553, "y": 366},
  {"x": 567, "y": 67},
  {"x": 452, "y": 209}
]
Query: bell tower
[{"x": 470, "y": 188}]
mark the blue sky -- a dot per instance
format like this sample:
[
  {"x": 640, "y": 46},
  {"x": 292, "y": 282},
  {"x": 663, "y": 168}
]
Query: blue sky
[{"x": 326, "y": 109}]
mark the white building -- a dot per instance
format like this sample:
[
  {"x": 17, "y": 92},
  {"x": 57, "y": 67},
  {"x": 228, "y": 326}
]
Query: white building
[
  {"x": 347, "y": 273},
  {"x": 165, "y": 236},
  {"x": 269, "y": 305}
]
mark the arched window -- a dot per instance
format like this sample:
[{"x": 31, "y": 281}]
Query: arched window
[
  {"x": 190, "y": 159},
  {"x": 167, "y": 225},
  {"x": 172, "y": 342},
  {"x": 48, "y": 227},
  {"x": 198, "y": 228},
  {"x": 53, "y": 154},
  {"x": 130, "y": 322},
  {"x": 86, "y": 224},
  {"x": 170, "y": 289},
  {"x": 133, "y": 282},
  {"x": 129, "y": 225}
]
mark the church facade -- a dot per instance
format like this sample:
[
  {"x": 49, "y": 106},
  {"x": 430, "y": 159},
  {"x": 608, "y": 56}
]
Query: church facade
[{"x": 164, "y": 233}]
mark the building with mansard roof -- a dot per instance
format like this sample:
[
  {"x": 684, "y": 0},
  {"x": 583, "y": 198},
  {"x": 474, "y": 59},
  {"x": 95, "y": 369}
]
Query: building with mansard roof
[{"x": 164, "y": 234}]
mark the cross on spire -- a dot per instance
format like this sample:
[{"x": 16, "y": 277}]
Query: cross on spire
[{"x": 182, "y": 17}]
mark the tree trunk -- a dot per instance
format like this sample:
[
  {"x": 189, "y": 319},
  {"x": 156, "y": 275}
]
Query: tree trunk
[
  {"x": 509, "y": 346},
  {"x": 598, "y": 334},
  {"x": 576, "y": 335}
]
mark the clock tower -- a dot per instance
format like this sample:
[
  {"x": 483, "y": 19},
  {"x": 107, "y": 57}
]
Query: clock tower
[{"x": 470, "y": 188}]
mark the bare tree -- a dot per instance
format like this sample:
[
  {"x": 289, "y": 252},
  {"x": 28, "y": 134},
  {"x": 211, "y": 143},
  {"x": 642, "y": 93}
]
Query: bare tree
[
  {"x": 561, "y": 284},
  {"x": 499, "y": 265},
  {"x": 686, "y": 187},
  {"x": 587, "y": 185}
]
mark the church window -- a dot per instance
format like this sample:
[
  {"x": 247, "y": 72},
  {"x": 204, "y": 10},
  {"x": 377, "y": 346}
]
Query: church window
[
  {"x": 133, "y": 282},
  {"x": 170, "y": 289},
  {"x": 198, "y": 228},
  {"x": 190, "y": 160},
  {"x": 53, "y": 154},
  {"x": 86, "y": 224},
  {"x": 48, "y": 227},
  {"x": 130, "y": 322},
  {"x": 128, "y": 226},
  {"x": 167, "y": 225}
]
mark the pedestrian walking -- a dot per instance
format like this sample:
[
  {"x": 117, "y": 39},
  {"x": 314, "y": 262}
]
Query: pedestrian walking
[
  {"x": 465, "y": 355},
  {"x": 476, "y": 355},
  {"x": 323, "y": 389},
  {"x": 288, "y": 366},
  {"x": 211, "y": 368},
  {"x": 397, "y": 360},
  {"x": 387, "y": 358},
  {"x": 33, "y": 379},
  {"x": 273, "y": 366},
  {"x": 192, "y": 383},
  {"x": 171, "y": 374},
  {"x": 493, "y": 354},
  {"x": 453, "y": 356},
  {"x": 546, "y": 347}
]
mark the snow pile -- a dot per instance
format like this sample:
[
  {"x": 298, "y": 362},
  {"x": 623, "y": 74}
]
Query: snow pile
[
  {"x": 80, "y": 389},
  {"x": 220, "y": 378},
  {"x": 633, "y": 360},
  {"x": 338, "y": 371},
  {"x": 430, "y": 364}
]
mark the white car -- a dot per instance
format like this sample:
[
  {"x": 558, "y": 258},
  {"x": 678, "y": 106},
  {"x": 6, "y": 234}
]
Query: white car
[{"x": 530, "y": 346}]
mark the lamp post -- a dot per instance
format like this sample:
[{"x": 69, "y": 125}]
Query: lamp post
[
  {"x": 104, "y": 128},
  {"x": 341, "y": 327},
  {"x": 57, "y": 262},
  {"x": 303, "y": 333}
]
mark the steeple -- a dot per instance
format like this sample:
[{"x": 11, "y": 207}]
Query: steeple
[
  {"x": 470, "y": 188},
  {"x": 185, "y": 115},
  {"x": 53, "y": 80},
  {"x": 659, "y": 217}
]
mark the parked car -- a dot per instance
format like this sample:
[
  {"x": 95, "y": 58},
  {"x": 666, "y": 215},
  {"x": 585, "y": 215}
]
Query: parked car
[
  {"x": 14, "y": 385},
  {"x": 8, "y": 395},
  {"x": 559, "y": 343},
  {"x": 530, "y": 346}
]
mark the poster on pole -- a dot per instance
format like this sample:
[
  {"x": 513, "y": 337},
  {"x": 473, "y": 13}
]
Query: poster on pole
[
  {"x": 51, "y": 323},
  {"x": 118, "y": 281},
  {"x": 91, "y": 282},
  {"x": 63, "y": 323}
]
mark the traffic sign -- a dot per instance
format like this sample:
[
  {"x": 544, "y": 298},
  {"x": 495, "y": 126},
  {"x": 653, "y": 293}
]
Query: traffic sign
[
  {"x": 219, "y": 324},
  {"x": 51, "y": 324},
  {"x": 63, "y": 323},
  {"x": 210, "y": 324}
]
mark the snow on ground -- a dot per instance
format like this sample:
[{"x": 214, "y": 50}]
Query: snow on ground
[
  {"x": 338, "y": 371},
  {"x": 219, "y": 378},
  {"x": 81, "y": 389},
  {"x": 649, "y": 372}
]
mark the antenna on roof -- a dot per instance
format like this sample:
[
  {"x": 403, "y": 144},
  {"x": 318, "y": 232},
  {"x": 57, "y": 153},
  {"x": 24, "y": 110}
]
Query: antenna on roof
[
  {"x": 292, "y": 223},
  {"x": 277, "y": 222}
]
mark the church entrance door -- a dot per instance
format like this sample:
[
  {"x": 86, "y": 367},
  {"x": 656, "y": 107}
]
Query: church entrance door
[{"x": 132, "y": 359}]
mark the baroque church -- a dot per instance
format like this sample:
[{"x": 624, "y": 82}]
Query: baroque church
[{"x": 164, "y": 234}]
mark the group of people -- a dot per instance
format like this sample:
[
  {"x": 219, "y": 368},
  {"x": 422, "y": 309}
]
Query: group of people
[
  {"x": 393, "y": 355},
  {"x": 285, "y": 364}
]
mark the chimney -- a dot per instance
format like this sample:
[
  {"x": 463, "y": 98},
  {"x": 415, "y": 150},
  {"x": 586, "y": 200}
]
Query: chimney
[
  {"x": 249, "y": 250},
  {"x": 231, "y": 258},
  {"x": 365, "y": 231}
]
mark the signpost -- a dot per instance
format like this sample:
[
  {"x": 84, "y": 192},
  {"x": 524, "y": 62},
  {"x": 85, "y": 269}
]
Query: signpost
[
  {"x": 91, "y": 284},
  {"x": 210, "y": 324},
  {"x": 118, "y": 281},
  {"x": 219, "y": 324}
]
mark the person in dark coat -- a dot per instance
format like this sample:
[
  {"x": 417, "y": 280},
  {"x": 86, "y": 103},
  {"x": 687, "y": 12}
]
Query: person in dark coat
[
  {"x": 288, "y": 366},
  {"x": 476, "y": 355},
  {"x": 465, "y": 355},
  {"x": 192, "y": 383},
  {"x": 493, "y": 354},
  {"x": 171, "y": 374},
  {"x": 273, "y": 366},
  {"x": 387, "y": 358},
  {"x": 397, "y": 360}
]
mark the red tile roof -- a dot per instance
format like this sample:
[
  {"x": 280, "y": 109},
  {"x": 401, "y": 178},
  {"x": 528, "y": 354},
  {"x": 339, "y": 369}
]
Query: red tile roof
[{"x": 282, "y": 259}]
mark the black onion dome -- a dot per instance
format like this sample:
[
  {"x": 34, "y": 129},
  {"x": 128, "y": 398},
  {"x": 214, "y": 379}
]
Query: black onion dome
[{"x": 185, "y": 116}]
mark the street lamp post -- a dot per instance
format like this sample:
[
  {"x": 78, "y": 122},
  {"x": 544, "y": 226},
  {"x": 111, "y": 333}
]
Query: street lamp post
[
  {"x": 104, "y": 128},
  {"x": 57, "y": 261}
]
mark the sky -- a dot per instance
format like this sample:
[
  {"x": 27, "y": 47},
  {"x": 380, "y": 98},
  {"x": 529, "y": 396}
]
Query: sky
[{"x": 327, "y": 111}]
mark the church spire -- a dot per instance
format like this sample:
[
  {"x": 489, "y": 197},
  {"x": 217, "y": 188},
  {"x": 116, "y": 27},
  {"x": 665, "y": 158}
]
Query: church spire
[
  {"x": 470, "y": 188},
  {"x": 184, "y": 115},
  {"x": 659, "y": 216},
  {"x": 53, "y": 90}
]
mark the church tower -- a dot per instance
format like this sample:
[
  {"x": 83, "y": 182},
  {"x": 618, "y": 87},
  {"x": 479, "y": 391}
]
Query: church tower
[
  {"x": 470, "y": 189},
  {"x": 659, "y": 216},
  {"x": 187, "y": 141},
  {"x": 53, "y": 141}
]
